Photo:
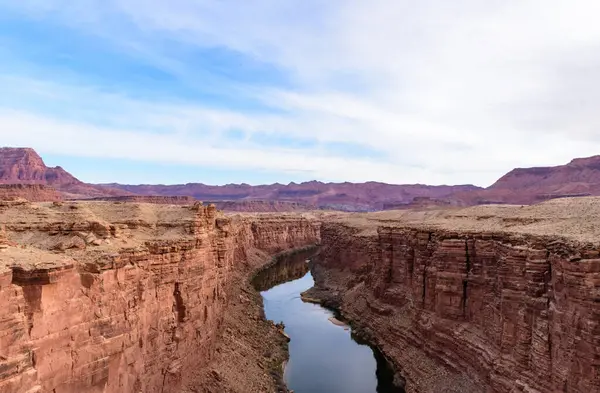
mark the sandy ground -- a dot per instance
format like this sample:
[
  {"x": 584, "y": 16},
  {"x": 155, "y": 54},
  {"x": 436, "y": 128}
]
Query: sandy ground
[{"x": 573, "y": 218}]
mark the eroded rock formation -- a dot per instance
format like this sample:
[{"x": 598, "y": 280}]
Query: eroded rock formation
[
  {"x": 25, "y": 166},
  {"x": 513, "y": 309},
  {"x": 30, "y": 192},
  {"x": 118, "y": 297}
]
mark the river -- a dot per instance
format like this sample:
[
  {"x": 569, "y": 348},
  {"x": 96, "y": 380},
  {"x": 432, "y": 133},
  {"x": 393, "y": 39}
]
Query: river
[{"x": 324, "y": 357}]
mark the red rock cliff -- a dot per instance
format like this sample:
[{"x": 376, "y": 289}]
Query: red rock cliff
[
  {"x": 471, "y": 310},
  {"x": 104, "y": 297},
  {"x": 25, "y": 166}
]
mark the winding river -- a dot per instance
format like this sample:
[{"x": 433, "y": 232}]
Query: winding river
[{"x": 324, "y": 356}]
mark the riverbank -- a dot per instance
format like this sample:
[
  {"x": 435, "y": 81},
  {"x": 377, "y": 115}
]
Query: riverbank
[
  {"x": 252, "y": 352},
  {"x": 325, "y": 356},
  {"x": 391, "y": 380}
]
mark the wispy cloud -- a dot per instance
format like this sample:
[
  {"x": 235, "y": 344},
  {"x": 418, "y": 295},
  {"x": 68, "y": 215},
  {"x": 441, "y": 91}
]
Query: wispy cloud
[{"x": 431, "y": 91}]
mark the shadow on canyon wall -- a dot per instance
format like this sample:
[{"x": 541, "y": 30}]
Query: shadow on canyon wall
[{"x": 283, "y": 268}]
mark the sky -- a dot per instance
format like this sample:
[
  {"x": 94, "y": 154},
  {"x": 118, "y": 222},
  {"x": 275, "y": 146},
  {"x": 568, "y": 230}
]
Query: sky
[{"x": 263, "y": 91}]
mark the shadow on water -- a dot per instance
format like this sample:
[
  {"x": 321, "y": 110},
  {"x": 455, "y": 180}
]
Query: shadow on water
[
  {"x": 324, "y": 357},
  {"x": 284, "y": 268}
]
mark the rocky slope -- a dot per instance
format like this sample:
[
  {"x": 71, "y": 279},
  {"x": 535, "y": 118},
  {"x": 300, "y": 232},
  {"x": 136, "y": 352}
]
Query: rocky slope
[
  {"x": 580, "y": 177},
  {"x": 486, "y": 299},
  {"x": 30, "y": 192},
  {"x": 25, "y": 166},
  {"x": 128, "y": 297}
]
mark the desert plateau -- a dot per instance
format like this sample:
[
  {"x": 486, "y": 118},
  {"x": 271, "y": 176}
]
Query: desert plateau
[{"x": 163, "y": 294}]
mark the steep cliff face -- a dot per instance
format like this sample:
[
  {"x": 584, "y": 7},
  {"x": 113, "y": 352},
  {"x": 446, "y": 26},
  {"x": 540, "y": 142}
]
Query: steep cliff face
[
  {"x": 469, "y": 311},
  {"x": 105, "y": 297}
]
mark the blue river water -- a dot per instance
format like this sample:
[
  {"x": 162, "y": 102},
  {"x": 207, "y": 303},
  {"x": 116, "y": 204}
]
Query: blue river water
[{"x": 324, "y": 358}]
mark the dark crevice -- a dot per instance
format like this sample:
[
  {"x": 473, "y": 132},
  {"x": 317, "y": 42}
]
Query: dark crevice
[
  {"x": 33, "y": 303},
  {"x": 385, "y": 374},
  {"x": 179, "y": 306},
  {"x": 467, "y": 256}
]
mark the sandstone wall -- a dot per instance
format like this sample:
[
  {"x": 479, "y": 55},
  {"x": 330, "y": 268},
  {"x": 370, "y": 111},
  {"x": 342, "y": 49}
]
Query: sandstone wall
[
  {"x": 130, "y": 319},
  {"x": 460, "y": 312}
]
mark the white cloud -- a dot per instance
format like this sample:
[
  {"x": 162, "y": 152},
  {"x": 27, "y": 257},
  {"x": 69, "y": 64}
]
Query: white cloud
[
  {"x": 448, "y": 92},
  {"x": 59, "y": 137}
]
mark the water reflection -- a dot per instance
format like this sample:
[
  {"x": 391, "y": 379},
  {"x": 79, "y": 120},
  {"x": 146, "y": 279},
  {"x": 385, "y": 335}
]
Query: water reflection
[
  {"x": 324, "y": 357},
  {"x": 286, "y": 268}
]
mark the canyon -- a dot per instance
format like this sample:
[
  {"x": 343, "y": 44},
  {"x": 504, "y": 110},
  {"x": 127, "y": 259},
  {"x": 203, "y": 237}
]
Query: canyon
[
  {"x": 134, "y": 297},
  {"x": 114, "y": 296},
  {"x": 109, "y": 289},
  {"x": 482, "y": 299}
]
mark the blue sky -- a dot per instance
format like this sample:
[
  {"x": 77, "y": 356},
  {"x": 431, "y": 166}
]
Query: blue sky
[{"x": 222, "y": 91}]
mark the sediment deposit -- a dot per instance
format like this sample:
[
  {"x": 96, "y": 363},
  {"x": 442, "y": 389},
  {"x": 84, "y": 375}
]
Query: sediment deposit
[
  {"x": 486, "y": 299},
  {"x": 129, "y": 297}
]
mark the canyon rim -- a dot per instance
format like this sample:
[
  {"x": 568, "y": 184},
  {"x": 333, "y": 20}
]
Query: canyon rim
[{"x": 113, "y": 296}]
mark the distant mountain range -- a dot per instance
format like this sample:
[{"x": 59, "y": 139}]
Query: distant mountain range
[
  {"x": 341, "y": 196},
  {"x": 520, "y": 186}
]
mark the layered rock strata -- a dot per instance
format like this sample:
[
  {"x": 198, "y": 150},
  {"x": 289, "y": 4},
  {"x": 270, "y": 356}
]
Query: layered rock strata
[
  {"x": 30, "y": 192},
  {"x": 514, "y": 309},
  {"x": 118, "y": 297}
]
